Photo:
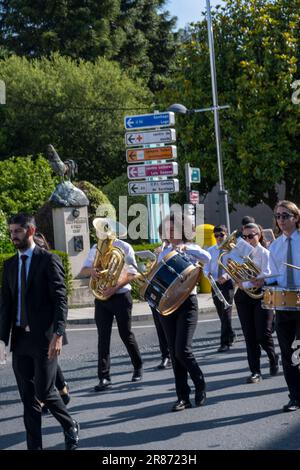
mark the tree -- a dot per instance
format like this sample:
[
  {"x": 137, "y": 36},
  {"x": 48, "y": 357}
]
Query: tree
[
  {"x": 137, "y": 33},
  {"x": 78, "y": 107},
  {"x": 257, "y": 52}
]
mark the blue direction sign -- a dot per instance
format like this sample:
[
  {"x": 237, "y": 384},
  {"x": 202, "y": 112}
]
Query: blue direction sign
[{"x": 149, "y": 121}]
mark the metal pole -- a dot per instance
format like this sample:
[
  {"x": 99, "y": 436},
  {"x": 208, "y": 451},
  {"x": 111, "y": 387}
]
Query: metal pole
[{"x": 222, "y": 192}]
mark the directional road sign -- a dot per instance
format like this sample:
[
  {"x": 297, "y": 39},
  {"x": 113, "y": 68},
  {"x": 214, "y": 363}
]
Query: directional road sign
[
  {"x": 147, "y": 171},
  {"x": 150, "y": 121},
  {"x": 164, "y": 136},
  {"x": 137, "y": 188},
  {"x": 155, "y": 153},
  {"x": 195, "y": 175}
]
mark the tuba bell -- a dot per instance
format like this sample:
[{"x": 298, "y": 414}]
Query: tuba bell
[
  {"x": 109, "y": 260},
  {"x": 239, "y": 271}
]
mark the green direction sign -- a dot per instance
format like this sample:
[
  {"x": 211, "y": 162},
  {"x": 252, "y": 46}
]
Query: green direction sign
[{"x": 195, "y": 175}]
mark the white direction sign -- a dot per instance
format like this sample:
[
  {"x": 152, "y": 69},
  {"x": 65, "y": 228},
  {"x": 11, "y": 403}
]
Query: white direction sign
[
  {"x": 148, "y": 171},
  {"x": 138, "y": 188},
  {"x": 163, "y": 136}
]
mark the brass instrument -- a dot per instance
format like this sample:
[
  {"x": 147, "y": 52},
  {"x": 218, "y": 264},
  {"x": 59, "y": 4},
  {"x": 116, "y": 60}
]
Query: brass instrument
[
  {"x": 245, "y": 271},
  {"x": 109, "y": 260}
]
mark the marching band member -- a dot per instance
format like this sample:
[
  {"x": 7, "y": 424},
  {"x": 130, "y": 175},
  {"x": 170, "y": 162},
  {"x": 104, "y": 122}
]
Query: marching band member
[
  {"x": 286, "y": 249},
  {"x": 225, "y": 285},
  {"x": 255, "y": 321},
  {"x": 179, "y": 327},
  {"x": 119, "y": 305}
]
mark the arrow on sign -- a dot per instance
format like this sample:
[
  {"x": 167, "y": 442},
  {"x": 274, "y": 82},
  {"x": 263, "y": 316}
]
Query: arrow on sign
[
  {"x": 130, "y": 123},
  {"x": 134, "y": 188}
]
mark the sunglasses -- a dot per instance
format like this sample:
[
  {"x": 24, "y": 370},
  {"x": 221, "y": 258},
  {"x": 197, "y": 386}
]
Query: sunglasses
[
  {"x": 219, "y": 235},
  {"x": 283, "y": 216},
  {"x": 250, "y": 236}
]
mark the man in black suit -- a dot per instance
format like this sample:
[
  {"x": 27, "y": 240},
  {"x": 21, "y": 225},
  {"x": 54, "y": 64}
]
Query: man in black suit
[{"x": 34, "y": 311}]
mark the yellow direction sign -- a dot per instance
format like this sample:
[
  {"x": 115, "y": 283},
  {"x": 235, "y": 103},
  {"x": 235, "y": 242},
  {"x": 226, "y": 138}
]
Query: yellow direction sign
[{"x": 155, "y": 153}]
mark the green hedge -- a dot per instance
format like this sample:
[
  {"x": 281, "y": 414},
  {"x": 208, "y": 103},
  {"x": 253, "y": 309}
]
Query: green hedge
[{"x": 65, "y": 261}]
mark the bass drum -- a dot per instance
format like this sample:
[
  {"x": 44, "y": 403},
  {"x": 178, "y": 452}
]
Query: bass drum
[
  {"x": 170, "y": 282},
  {"x": 281, "y": 298}
]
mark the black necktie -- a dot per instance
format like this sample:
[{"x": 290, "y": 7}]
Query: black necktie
[
  {"x": 23, "y": 318},
  {"x": 289, "y": 260}
]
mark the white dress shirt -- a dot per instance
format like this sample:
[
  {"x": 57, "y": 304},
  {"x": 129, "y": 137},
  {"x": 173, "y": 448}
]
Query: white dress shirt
[
  {"x": 28, "y": 253},
  {"x": 128, "y": 252},
  {"x": 192, "y": 250},
  {"x": 212, "y": 266},
  {"x": 278, "y": 256}
]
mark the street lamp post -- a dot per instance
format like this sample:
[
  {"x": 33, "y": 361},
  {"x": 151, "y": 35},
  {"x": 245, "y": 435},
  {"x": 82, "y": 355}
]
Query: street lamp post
[{"x": 180, "y": 108}]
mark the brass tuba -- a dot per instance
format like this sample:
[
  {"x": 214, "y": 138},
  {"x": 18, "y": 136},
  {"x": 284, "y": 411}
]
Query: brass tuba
[
  {"x": 109, "y": 260},
  {"x": 244, "y": 271}
]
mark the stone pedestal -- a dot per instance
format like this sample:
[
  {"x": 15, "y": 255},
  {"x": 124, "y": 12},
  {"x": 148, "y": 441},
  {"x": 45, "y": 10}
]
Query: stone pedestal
[{"x": 71, "y": 234}]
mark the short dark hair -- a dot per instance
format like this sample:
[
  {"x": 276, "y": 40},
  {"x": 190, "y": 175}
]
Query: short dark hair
[
  {"x": 220, "y": 228},
  {"x": 247, "y": 219},
  {"x": 23, "y": 219}
]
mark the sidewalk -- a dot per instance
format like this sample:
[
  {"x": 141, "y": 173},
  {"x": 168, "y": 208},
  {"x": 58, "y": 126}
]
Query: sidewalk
[{"x": 140, "y": 311}]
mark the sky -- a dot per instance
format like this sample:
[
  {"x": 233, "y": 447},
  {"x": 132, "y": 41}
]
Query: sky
[{"x": 188, "y": 10}]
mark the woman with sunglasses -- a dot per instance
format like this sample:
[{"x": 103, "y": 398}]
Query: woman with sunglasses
[
  {"x": 180, "y": 326},
  {"x": 286, "y": 249},
  {"x": 225, "y": 285},
  {"x": 255, "y": 321}
]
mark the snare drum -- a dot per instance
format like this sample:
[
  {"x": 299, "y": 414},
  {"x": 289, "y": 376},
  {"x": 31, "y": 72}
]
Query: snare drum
[
  {"x": 281, "y": 298},
  {"x": 170, "y": 282}
]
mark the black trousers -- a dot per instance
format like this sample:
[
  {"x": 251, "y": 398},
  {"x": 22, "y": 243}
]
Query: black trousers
[
  {"x": 59, "y": 380},
  {"x": 225, "y": 314},
  {"x": 179, "y": 328},
  {"x": 288, "y": 329},
  {"x": 119, "y": 306},
  {"x": 162, "y": 340},
  {"x": 256, "y": 324},
  {"x": 35, "y": 375}
]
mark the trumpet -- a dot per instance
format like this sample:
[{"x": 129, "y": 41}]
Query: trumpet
[{"x": 217, "y": 291}]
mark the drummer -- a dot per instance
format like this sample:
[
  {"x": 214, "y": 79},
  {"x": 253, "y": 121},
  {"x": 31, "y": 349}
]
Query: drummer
[
  {"x": 179, "y": 327},
  {"x": 286, "y": 249}
]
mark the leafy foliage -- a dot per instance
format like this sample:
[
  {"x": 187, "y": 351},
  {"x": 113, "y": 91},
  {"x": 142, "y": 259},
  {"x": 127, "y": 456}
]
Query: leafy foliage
[
  {"x": 5, "y": 244},
  {"x": 78, "y": 107},
  {"x": 26, "y": 183}
]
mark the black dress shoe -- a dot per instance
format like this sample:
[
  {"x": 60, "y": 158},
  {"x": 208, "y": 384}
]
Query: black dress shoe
[
  {"x": 292, "y": 405},
  {"x": 254, "y": 379},
  {"x": 181, "y": 405},
  {"x": 274, "y": 367},
  {"x": 137, "y": 375},
  {"x": 200, "y": 397},
  {"x": 72, "y": 437},
  {"x": 223, "y": 348},
  {"x": 103, "y": 385},
  {"x": 165, "y": 363}
]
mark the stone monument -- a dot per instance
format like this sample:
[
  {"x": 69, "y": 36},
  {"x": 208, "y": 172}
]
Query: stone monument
[{"x": 69, "y": 213}]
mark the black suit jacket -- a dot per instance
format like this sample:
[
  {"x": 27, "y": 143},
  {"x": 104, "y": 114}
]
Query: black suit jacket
[{"x": 46, "y": 298}]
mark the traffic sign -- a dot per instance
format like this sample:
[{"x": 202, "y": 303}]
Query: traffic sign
[
  {"x": 138, "y": 188},
  {"x": 164, "y": 136},
  {"x": 194, "y": 197},
  {"x": 155, "y": 153},
  {"x": 195, "y": 175},
  {"x": 147, "y": 171},
  {"x": 142, "y": 121}
]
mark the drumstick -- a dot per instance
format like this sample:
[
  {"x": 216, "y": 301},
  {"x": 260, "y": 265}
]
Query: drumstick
[{"x": 292, "y": 266}]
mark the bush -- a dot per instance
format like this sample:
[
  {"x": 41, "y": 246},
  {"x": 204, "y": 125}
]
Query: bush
[
  {"x": 26, "y": 183},
  {"x": 6, "y": 245},
  {"x": 65, "y": 261}
]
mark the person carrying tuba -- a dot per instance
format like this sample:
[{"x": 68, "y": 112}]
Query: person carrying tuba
[{"x": 110, "y": 281}]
